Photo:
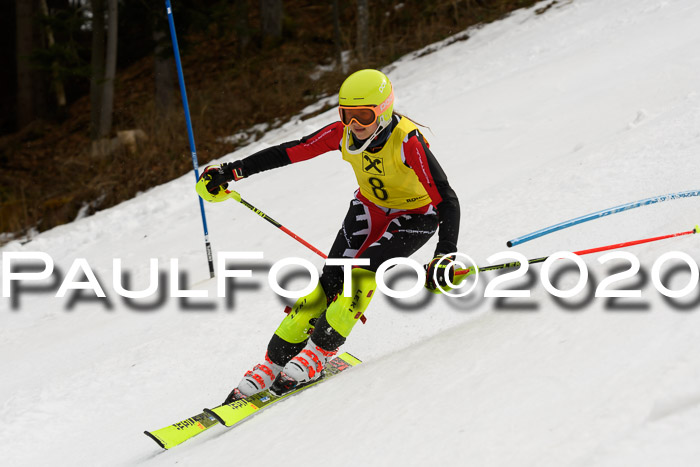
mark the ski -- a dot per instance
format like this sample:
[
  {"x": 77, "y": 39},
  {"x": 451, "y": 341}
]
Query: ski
[
  {"x": 179, "y": 432},
  {"x": 235, "y": 412}
]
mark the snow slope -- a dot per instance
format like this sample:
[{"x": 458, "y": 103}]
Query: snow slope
[{"x": 536, "y": 119}]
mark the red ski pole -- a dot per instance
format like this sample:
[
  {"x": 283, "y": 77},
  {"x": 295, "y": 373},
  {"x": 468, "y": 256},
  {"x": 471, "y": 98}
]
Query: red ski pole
[
  {"x": 236, "y": 196},
  {"x": 515, "y": 264}
]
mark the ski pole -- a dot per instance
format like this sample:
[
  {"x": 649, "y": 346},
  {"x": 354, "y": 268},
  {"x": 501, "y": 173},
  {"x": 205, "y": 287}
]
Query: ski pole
[
  {"x": 237, "y": 197},
  {"x": 589, "y": 251},
  {"x": 599, "y": 214},
  {"x": 190, "y": 132}
]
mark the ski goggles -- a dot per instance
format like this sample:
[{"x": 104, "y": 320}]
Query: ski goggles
[{"x": 364, "y": 115}]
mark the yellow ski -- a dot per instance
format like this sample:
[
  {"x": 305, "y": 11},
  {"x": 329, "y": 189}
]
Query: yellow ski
[
  {"x": 233, "y": 413},
  {"x": 237, "y": 411}
]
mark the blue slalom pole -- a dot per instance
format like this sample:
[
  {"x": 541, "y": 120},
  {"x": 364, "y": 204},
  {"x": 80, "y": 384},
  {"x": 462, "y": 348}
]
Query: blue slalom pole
[
  {"x": 603, "y": 213},
  {"x": 190, "y": 133}
]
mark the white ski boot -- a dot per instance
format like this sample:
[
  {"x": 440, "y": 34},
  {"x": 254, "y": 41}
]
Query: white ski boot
[
  {"x": 259, "y": 378},
  {"x": 306, "y": 367}
]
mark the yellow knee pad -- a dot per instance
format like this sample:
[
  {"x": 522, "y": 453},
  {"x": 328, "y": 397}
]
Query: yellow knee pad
[
  {"x": 344, "y": 312},
  {"x": 296, "y": 326}
]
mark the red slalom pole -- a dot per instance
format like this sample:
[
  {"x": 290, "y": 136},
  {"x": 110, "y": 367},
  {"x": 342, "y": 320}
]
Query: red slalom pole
[
  {"x": 636, "y": 242},
  {"x": 515, "y": 264}
]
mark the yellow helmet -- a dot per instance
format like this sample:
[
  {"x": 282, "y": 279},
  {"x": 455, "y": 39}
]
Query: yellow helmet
[
  {"x": 366, "y": 97},
  {"x": 369, "y": 88}
]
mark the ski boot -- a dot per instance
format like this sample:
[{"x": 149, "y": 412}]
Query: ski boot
[
  {"x": 330, "y": 331},
  {"x": 303, "y": 369},
  {"x": 256, "y": 380}
]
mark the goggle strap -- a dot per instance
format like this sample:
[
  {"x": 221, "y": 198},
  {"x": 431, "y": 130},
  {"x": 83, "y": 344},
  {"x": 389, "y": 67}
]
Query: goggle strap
[{"x": 384, "y": 105}]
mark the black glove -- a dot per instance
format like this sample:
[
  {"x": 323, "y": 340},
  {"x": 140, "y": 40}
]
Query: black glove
[
  {"x": 217, "y": 176},
  {"x": 438, "y": 271}
]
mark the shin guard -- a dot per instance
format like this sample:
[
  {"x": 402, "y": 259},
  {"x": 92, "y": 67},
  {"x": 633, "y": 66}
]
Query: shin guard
[
  {"x": 299, "y": 323},
  {"x": 345, "y": 312}
]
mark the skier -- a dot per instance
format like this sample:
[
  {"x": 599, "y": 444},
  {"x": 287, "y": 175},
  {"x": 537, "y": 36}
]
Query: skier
[{"x": 402, "y": 199}]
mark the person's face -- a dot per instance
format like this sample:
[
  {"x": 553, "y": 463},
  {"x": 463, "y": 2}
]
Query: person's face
[{"x": 363, "y": 132}]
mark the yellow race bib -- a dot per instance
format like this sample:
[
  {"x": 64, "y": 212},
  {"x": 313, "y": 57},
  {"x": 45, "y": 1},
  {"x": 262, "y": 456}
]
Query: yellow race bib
[{"x": 383, "y": 177}]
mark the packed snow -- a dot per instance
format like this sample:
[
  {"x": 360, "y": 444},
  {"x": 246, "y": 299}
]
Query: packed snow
[{"x": 536, "y": 119}]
